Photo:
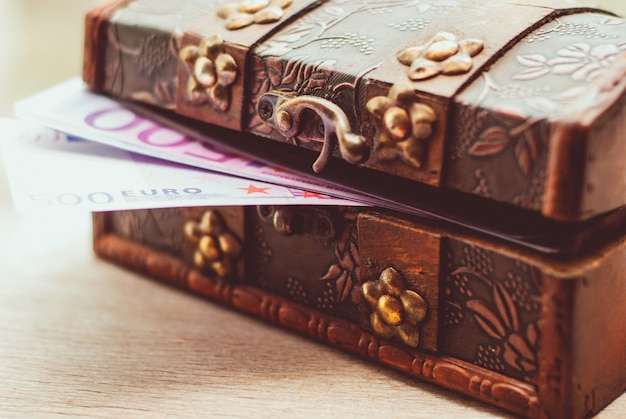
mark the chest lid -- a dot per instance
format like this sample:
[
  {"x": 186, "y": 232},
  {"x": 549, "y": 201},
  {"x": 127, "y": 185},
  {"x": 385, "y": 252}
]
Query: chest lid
[{"x": 520, "y": 103}]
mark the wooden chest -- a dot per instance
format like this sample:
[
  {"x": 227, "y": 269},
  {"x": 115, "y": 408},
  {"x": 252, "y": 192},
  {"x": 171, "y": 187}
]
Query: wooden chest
[
  {"x": 501, "y": 121},
  {"x": 515, "y": 102},
  {"x": 537, "y": 335}
]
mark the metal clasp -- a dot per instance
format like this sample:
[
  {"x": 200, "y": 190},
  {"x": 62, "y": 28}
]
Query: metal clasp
[
  {"x": 285, "y": 114},
  {"x": 295, "y": 220}
]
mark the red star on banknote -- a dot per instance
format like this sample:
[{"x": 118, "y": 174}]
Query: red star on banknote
[
  {"x": 313, "y": 195},
  {"x": 253, "y": 189}
]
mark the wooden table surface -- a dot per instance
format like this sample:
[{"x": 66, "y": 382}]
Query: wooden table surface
[{"x": 82, "y": 337}]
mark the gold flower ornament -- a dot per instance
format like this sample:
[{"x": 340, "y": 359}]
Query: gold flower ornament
[
  {"x": 216, "y": 248},
  {"x": 405, "y": 126},
  {"x": 443, "y": 54},
  {"x": 239, "y": 15},
  {"x": 211, "y": 72},
  {"x": 396, "y": 310}
]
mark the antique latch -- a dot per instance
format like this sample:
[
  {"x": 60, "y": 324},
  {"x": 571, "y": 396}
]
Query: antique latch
[
  {"x": 299, "y": 220},
  {"x": 287, "y": 115}
]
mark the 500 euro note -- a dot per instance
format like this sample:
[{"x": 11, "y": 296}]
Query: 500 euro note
[
  {"x": 70, "y": 108},
  {"x": 48, "y": 171}
]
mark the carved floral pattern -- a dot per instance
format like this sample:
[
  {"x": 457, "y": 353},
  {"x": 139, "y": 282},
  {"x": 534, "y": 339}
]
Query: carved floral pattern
[
  {"x": 505, "y": 117},
  {"x": 405, "y": 126},
  {"x": 331, "y": 282},
  {"x": 152, "y": 60},
  {"x": 443, "y": 54},
  {"x": 343, "y": 277},
  {"x": 153, "y": 55},
  {"x": 216, "y": 248},
  {"x": 239, "y": 15},
  {"x": 211, "y": 72},
  {"x": 361, "y": 42},
  {"x": 159, "y": 228},
  {"x": 315, "y": 26},
  {"x": 581, "y": 61},
  {"x": 482, "y": 188},
  {"x": 505, "y": 310},
  {"x": 501, "y": 322},
  {"x": 515, "y": 129},
  {"x": 410, "y": 24},
  {"x": 297, "y": 291},
  {"x": 262, "y": 256},
  {"x": 294, "y": 75},
  {"x": 395, "y": 310},
  {"x": 509, "y": 125},
  {"x": 576, "y": 29},
  {"x": 532, "y": 198}
]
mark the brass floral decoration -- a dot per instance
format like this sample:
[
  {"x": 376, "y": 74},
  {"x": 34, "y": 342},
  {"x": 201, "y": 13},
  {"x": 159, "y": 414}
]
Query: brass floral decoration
[
  {"x": 217, "y": 249},
  {"x": 443, "y": 54},
  {"x": 239, "y": 15},
  {"x": 396, "y": 310},
  {"x": 405, "y": 126},
  {"x": 211, "y": 72}
]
